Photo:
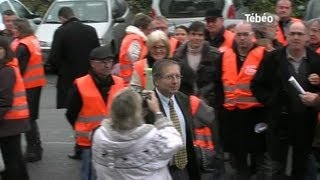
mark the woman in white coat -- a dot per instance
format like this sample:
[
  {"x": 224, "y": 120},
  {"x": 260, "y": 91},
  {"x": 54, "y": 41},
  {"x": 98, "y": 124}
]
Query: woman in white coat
[{"x": 125, "y": 148}]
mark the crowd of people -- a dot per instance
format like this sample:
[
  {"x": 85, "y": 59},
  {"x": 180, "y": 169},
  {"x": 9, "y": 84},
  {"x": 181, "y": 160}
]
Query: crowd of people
[{"x": 170, "y": 106}]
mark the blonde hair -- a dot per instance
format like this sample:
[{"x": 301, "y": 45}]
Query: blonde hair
[
  {"x": 126, "y": 110},
  {"x": 157, "y": 36}
]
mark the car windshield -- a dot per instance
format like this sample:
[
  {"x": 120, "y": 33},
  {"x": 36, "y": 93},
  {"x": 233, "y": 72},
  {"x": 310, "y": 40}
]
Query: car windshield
[
  {"x": 185, "y": 8},
  {"x": 89, "y": 12}
]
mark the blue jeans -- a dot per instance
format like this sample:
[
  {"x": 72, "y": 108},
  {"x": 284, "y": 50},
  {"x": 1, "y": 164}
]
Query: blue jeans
[{"x": 87, "y": 171}]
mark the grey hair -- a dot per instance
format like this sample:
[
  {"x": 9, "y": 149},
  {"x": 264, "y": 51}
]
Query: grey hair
[
  {"x": 158, "y": 66},
  {"x": 312, "y": 21},
  {"x": 126, "y": 110},
  {"x": 157, "y": 36}
]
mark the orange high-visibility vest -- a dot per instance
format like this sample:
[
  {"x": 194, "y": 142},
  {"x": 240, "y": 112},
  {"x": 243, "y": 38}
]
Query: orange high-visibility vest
[
  {"x": 34, "y": 75},
  {"x": 237, "y": 86},
  {"x": 280, "y": 35},
  {"x": 126, "y": 66},
  {"x": 94, "y": 109},
  {"x": 19, "y": 109},
  {"x": 202, "y": 134},
  {"x": 228, "y": 39},
  {"x": 140, "y": 67},
  {"x": 173, "y": 45}
]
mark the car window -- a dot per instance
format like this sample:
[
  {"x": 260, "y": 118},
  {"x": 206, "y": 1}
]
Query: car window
[
  {"x": 20, "y": 9},
  {"x": 122, "y": 5},
  {"x": 86, "y": 11},
  {"x": 4, "y": 6},
  {"x": 187, "y": 8},
  {"x": 313, "y": 10}
]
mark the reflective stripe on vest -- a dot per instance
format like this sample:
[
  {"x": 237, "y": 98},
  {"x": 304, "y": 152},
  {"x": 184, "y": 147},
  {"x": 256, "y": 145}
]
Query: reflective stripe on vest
[
  {"x": 19, "y": 109},
  {"x": 237, "y": 85},
  {"x": 126, "y": 66},
  {"x": 202, "y": 135},
  {"x": 140, "y": 68},
  {"x": 91, "y": 118},
  {"x": 94, "y": 109},
  {"x": 34, "y": 75}
]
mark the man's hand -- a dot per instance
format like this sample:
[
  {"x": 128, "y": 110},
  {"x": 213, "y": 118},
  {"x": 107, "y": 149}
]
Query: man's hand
[
  {"x": 310, "y": 99},
  {"x": 314, "y": 79}
]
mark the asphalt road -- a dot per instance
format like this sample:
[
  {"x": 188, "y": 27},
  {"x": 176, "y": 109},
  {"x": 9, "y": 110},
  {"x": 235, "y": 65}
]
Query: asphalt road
[{"x": 57, "y": 139}]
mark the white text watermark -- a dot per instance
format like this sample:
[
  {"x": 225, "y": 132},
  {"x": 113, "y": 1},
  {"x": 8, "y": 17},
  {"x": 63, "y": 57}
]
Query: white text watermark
[{"x": 257, "y": 18}]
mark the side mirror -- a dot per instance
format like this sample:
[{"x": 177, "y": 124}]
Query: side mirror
[
  {"x": 119, "y": 20},
  {"x": 37, "y": 21}
]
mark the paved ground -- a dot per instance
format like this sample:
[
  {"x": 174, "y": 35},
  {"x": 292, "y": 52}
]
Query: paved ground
[{"x": 57, "y": 138}]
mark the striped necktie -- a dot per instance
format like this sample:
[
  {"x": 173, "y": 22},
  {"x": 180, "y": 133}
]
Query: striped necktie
[{"x": 180, "y": 158}]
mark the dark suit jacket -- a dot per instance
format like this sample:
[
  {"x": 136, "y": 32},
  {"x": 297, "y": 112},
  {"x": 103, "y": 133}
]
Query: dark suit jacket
[
  {"x": 71, "y": 46},
  {"x": 183, "y": 101}
]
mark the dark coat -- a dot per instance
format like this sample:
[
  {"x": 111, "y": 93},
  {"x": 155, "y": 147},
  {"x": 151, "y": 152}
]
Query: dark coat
[
  {"x": 203, "y": 78},
  {"x": 271, "y": 87},
  {"x": 236, "y": 127},
  {"x": 71, "y": 46},
  {"x": 9, "y": 128}
]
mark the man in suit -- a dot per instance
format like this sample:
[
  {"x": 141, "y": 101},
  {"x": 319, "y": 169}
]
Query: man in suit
[
  {"x": 71, "y": 46},
  {"x": 174, "y": 104}
]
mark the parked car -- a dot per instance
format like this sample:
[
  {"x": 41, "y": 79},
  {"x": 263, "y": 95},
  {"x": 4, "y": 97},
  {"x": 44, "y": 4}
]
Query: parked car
[
  {"x": 313, "y": 10},
  {"x": 226, "y": 23},
  {"x": 108, "y": 17},
  {"x": 20, "y": 10},
  {"x": 183, "y": 11}
]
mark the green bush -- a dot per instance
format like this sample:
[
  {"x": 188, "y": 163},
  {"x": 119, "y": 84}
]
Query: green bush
[{"x": 140, "y": 6}]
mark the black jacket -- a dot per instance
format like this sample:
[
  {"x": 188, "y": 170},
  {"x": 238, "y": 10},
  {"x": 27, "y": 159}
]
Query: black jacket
[
  {"x": 271, "y": 80},
  {"x": 71, "y": 46},
  {"x": 271, "y": 87},
  {"x": 203, "y": 78},
  {"x": 217, "y": 41}
]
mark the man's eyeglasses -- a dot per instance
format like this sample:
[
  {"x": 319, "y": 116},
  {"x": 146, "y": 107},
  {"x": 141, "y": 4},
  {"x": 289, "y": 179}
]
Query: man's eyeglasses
[{"x": 171, "y": 77}]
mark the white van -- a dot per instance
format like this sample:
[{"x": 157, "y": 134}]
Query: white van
[
  {"x": 183, "y": 11},
  {"x": 108, "y": 17}
]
